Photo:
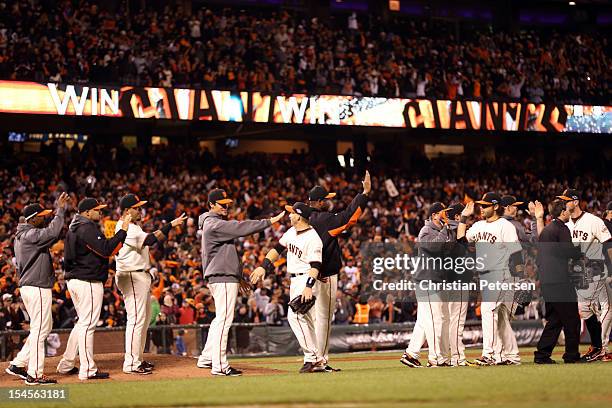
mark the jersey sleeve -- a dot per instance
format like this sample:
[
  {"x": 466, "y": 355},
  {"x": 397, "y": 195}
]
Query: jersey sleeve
[
  {"x": 284, "y": 238},
  {"x": 315, "y": 250},
  {"x": 470, "y": 234},
  {"x": 600, "y": 231}
]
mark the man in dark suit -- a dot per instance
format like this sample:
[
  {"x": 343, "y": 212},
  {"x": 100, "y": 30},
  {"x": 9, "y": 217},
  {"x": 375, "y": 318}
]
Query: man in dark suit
[{"x": 555, "y": 248}]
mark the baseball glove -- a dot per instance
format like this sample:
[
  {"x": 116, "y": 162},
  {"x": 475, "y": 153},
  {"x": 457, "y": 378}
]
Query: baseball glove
[{"x": 300, "y": 307}]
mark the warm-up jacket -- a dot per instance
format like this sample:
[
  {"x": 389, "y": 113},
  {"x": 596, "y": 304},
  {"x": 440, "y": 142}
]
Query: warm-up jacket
[
  {"x": 219, "y": 256},
  {"x": 555, "y": 248},
  {"x": 329, "y": 226},
  {"x": 432, "y": 242},
  {"x": 34, "y": 264},
  {"x": 87, "y": 250}
]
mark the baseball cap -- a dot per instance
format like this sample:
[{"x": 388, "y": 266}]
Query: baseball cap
[
  {"x": 319, "y": 193},
  {"x": 218, "y": 195},
  {"x": 569, "y": 194},
  {"x": 34, "y": 210},
  {"x": 609, "y": 206},
  {"x": 300, "y": 208},
  {"x": 89, "y": 203},
  {"x": 437, "y": 207},
  {"x": 130, "y": 201},
  {"x": 455, "y": 209},
  {"x": 508, "y": 200},
  {"x": 489, "y": 198}
]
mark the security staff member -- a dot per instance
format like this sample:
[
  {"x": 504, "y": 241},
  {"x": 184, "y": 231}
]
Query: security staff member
[
  {"x": 555, "y": 248},
  {"x": 86, "y": 254},
  {"x": 36, "y": 278},
  {"x": 329, "y": 226}
]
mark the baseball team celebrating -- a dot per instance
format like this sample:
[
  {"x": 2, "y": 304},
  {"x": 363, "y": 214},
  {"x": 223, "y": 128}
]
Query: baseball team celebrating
[{"x": 314, "y": 260}]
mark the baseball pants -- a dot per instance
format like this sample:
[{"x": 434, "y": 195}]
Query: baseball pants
[
  {"x": 417, "y": 339},
  {"x": 215, "y": 349},
  {"x": 303, "y": 325},
  {"x": 595, "y": 301},
  {"x": 135, "y": 288},
  {"x": 87, "y": 299},
  {"x": 498, "y": 339},
  {"x": 37, "y": 302},
  {"x": 324, "y": 314},
  {"x": 457, "y": 309},
  {"x": 433, "y": 317}
]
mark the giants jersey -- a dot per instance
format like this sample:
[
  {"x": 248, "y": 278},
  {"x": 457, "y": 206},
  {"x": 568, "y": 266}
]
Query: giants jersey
[
  {"x": 133, "y": 256},
  {"x": 303, "y": 248},
  {"x": 587, "y": 229},
  {"x": 495, "y": 242}
]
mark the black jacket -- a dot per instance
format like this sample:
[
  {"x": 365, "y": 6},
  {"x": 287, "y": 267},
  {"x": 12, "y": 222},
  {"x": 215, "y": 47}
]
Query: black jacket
[
  {"x": 555, "y": 248},
  {"x": 329, "y": 225},
  {"x": 86, "y": 251}
]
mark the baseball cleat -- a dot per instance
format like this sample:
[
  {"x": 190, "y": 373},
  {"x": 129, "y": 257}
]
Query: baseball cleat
[
  {"x": 545, "y": 361},
  {"x": 464, "y": 363},
  {"x": 42, "y": 380},
  {"x": 508, "y": 363},
  {"x": 99, "y": 375},
  {"x": 431, "y": 364},
  {"x": 484, "y": 361},
  {"x": 330, "y": 369},
  {"x": 147, "y": 364},
  {"x": 319, "y": 367},
  {"x": 307, "y": 368},
  {"x": 410, "y": 361},
  {"x": 230, "y": 372},
  {"x": 17, "y": 371},
  {"x": 593, "y": 354},
  {"x": 607, "y": 357},
  {"x": 72, "y": 371},
  {"x": 204, "y": 365},
  {"x": 140, "y": 370}
]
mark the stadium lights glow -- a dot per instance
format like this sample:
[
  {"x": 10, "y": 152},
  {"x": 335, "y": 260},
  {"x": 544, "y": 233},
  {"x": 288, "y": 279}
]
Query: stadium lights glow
[{"x": 572, "y": 3}]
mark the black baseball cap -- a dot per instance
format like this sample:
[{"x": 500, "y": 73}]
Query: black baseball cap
[
  {"x": 34, "y": 210},
  {"x": 437, "y": 207},
  {"x": 455, "y": 209},
  {"x": 130, "y": 201},
  {"x": 89, "y": 203},
  {"x": 508, "y": 200},
  {"x": 319, "y": 193},
  {"x": 300, "y": 208},
  {"x": 489, "y": 198},
  {"x": 218, "y": 195},
  {"x": 569, "y": 194},
  {"x": 609, "y": 206}
]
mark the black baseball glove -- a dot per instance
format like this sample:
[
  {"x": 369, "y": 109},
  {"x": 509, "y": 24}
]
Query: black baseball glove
[{"x": 300, "y": 307}]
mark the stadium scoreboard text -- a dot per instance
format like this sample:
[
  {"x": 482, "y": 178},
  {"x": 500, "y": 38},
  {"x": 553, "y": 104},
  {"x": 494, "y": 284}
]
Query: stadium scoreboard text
[{"x": 232, "y": 106}]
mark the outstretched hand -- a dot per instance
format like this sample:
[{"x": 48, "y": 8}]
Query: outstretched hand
[
  {"x": 179, "y": 221},
  {"x": 277, "y": 218},
  {"x": 367, "y": 183}
]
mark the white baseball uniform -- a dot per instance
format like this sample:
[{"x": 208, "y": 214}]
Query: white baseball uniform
[
  {"x": 134, "y": 282},
  {"x": 590, "y": 231},
  {"x": 303, "y": 247},
  {"x": 495, "y": 242},
  {"x": 324, "y": 313},
  {"x": 87, "y": 298}
]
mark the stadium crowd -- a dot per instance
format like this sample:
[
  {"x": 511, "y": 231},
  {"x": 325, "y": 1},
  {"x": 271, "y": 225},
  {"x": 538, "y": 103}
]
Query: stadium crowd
[
  {"x": 279, "y": 51},
  {"x": 176, "y": 180}
]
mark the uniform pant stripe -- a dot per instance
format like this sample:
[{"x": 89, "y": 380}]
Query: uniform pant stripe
[{"x": 135, "y": 321}]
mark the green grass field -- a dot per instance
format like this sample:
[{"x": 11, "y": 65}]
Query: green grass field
[{"x": 361, "y": 383}]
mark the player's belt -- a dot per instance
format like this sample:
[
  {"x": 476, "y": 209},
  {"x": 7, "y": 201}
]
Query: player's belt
[{"x": 298, "y": 274}]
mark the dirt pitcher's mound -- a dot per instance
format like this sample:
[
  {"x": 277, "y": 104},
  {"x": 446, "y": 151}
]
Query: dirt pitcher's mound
[{"x": 166, "y": 367}]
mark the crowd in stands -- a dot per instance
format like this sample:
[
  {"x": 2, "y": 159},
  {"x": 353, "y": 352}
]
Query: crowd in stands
[
  {"x": 281, "y": 51},
  {"x": 176, "y": 180}
]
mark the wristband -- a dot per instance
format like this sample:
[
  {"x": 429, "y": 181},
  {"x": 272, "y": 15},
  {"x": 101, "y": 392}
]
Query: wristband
[
  {"x": 268, "y": 265},
  {"x": 166, "y": 229},
  {"x": 463, "y": 219},
  {"x": 310, "y": 282}
]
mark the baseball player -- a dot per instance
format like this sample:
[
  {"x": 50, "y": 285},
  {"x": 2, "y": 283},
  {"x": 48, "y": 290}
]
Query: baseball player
[
  {"x": 223, "y": 270},
  {"x": 592, "y": 235},
  {"x": 86, "y": 255},
  {"x": 498, "y": 247},
  {"x": 329, "y": 226},
  {"x": 608, "y": 222},
  {"x": 134, "y": 281},
  {"x": 36, "y": 278},
  {"x": 432, "y": 310},
  {"x": 304, "y": 257},
  {"x": 458, "y": 300},
  {"x": 511, "y": 205}
]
